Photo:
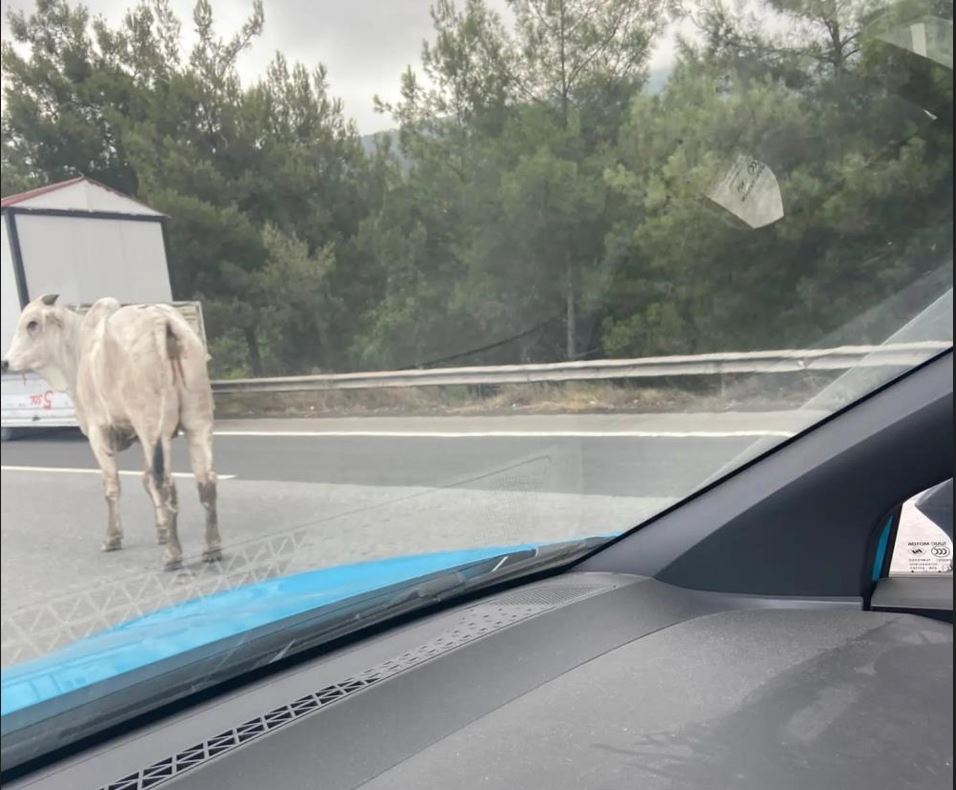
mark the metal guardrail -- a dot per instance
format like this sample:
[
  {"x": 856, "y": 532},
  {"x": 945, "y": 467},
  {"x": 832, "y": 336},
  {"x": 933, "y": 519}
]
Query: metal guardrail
[{"x": 841, "y": 358}]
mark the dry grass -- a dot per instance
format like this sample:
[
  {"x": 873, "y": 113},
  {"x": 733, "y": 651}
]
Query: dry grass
[
  {"x": 744, "y": 392},
  {"x": 551, "y": 398},
  {"x": 578, "y": 397}
]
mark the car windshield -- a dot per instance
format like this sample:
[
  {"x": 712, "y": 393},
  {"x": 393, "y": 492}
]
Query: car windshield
[{"x": 364, "y": 293}]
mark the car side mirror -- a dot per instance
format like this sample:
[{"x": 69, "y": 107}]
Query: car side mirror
[{"x": 937, "y": 505}]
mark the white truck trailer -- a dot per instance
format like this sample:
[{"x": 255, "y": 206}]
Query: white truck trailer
[{"x": 83, "y": 241}]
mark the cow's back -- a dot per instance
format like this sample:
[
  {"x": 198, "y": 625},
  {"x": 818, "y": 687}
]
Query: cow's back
[{"x": 126, "y": 376}]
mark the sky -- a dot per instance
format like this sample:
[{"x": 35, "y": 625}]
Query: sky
[{"x": 365, "y": 44}]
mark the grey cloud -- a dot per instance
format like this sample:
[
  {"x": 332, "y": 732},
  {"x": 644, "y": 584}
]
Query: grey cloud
[{"x": 365, "y": 44}]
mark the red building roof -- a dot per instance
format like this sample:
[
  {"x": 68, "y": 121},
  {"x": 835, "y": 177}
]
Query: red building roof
[{"x": 11, "y": 200}]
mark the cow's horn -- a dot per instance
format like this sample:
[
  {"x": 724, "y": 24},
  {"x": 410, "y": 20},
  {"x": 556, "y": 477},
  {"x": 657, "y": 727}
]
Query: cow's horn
[{"x": 49, "y": 299}]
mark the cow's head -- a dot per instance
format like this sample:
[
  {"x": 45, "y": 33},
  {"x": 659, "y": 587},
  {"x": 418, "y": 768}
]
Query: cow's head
[{"x": 38, "y": 341}]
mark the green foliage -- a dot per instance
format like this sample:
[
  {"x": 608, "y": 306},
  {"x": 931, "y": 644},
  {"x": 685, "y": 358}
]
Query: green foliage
[{"x": 541, "y": 204}]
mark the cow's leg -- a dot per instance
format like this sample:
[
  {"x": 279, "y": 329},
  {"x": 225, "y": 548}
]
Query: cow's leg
[
  {"x": 106, "y": 458},
  {"x": 174, "y": 510},
  {"x": 170, "y": 508},
  {"x": 200, "y": 458},
  {"x": 158, "y": 482}
]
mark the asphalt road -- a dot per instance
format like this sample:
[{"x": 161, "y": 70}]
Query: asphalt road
[
  {"x": 296, "y": 495},
  {"x": 612, "y": 466}
]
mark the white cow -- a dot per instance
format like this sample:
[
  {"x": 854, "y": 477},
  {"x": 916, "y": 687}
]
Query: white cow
[{"x": 135, "y": 372}]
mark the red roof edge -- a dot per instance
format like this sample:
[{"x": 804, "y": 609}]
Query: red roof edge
[{"x": 11, "y": 200}]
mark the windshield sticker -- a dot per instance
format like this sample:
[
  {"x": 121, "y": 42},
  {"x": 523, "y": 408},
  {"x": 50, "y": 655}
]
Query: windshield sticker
[{"x": 749, "y": 190}]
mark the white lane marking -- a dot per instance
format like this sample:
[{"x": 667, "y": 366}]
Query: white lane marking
[
  {"x": 82, "y": 471},
  {"x": 521, "y": 434}
]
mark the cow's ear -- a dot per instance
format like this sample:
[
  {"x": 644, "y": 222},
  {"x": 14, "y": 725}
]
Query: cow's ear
[{"x": 49, "y": 299}]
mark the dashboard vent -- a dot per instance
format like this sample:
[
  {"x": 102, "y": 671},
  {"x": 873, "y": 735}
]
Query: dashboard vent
[
  {"x": 546, "y": 595},
  {"x": 473, "y": 623}
]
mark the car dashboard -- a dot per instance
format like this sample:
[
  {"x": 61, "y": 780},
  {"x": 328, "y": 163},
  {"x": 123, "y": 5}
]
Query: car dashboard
[{"x": 583, "y": 680}]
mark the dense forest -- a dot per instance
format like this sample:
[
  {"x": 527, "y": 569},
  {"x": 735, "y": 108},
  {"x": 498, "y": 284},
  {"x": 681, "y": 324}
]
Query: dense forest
[{"x": 538, "y": 201}]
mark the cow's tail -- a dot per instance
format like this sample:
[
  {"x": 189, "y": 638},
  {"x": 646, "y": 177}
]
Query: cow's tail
[
  {"x": 159, "y": 464},
  {"x": 174, "y": 353},
  {"x": 171, "y": 352}
]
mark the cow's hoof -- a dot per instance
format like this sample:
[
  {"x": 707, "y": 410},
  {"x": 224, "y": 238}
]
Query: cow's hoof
[
  {"x": 113, "y": 544},
  {"x": 212, "y": 555},
  {"x": 173, "y": 565}
]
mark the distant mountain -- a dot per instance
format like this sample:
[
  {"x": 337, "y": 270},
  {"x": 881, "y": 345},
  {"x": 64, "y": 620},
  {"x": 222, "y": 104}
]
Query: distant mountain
[
  {"x": 656, "y": 81},
  {"x": 369, "y": 141}
]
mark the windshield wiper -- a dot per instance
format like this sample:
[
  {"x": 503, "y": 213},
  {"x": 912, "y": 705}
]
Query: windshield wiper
[{"x": 457, "y": 582}]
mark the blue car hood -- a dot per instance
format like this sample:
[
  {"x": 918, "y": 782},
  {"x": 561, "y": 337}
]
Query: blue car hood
[{"x": 198, "y": 622}]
